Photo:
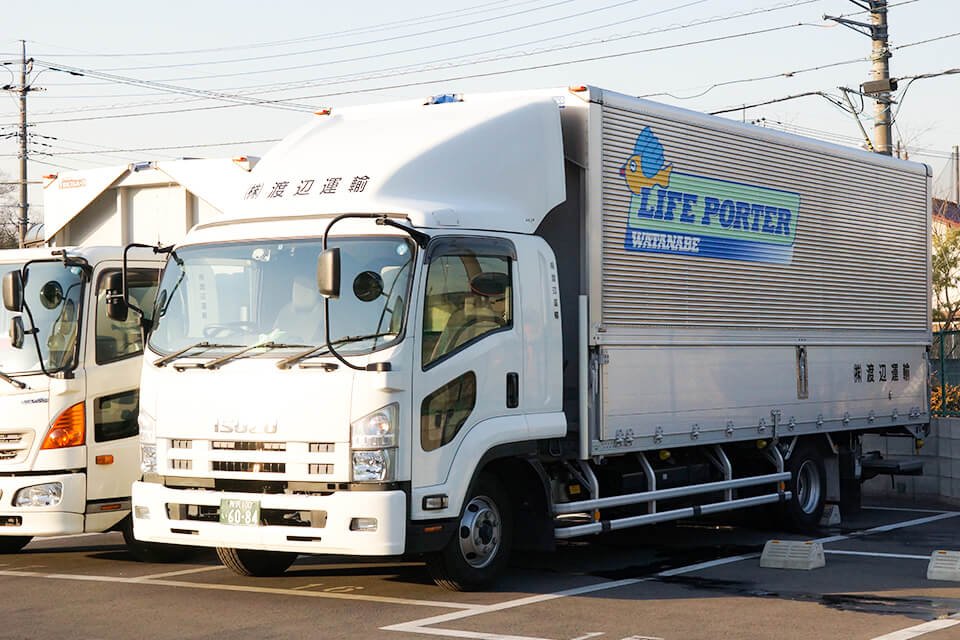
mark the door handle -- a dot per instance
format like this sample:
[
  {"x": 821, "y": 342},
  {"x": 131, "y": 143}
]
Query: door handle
[{"x": 513, "y": 390}]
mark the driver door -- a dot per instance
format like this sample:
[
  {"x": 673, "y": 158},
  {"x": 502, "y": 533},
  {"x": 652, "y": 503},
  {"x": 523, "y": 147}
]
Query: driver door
[
  {"x": 471, "y": 351},
  {"x": 113, "y": 386}
]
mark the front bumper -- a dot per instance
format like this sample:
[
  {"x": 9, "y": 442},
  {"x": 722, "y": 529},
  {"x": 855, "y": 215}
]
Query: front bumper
[
  {"x": 64, "y": 518},
  {"x": 153, "y": 522}
]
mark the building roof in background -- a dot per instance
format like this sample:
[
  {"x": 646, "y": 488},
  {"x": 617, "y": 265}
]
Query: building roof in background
[{"x": 947, "y": 211}]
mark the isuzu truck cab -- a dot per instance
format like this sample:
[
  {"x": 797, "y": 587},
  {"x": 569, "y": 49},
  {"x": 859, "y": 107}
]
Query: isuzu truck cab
[
  {"x": 69, "y": 389},
  {"x": 459, "y": 326}
]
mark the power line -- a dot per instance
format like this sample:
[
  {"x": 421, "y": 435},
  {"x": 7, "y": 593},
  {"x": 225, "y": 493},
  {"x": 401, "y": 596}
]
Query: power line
[
  {"x": 397, "y": 71},
  {"x": 444, "y": 15},
  {"x": 167, "y": 148},
  {"x": 563, "y": 47}
]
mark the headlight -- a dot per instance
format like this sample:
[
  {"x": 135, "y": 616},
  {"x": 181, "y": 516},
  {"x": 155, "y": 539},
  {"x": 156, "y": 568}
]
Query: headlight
[
  {"x": 378, "y": 465},
  {"x": 148, "y": 458},
  {"x": 148, "y": 428},
  {"x": 377, "y": 430},
  {"x": 39, "y": 495}
]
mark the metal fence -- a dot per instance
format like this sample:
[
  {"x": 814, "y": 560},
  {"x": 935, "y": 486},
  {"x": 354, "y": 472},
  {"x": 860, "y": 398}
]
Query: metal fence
[{"x": 945, "y": 374}]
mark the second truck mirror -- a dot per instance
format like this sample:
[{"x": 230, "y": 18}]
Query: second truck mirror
[
  {"x": 16, "y": 332},
  {"x": 116, "y": 301},
  {"x": 328, "y": 273},
  {"x": 12, "y": 291}
]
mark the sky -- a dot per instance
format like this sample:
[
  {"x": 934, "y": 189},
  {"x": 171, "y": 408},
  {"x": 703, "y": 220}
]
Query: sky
[{"x": 119, "y": 82}]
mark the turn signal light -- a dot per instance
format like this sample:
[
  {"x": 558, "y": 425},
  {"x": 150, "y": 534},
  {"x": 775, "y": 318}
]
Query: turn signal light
[{"x": 68, "y": 430}]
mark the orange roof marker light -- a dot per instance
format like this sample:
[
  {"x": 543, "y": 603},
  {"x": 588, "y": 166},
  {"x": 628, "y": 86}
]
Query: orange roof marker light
[
  {"x": 326, "y": 111},
  {"x": 68, "y": 430},
  {"x": 577, "y": 88},
  {"x": 245, "y": 162}
]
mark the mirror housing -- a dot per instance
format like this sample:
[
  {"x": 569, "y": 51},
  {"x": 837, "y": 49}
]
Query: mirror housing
[
  {"x": 16, "y": 332},
  {"x": 328, "y": 273},
  {"x": 13, "y": 291},
  {"x": 117, "y": 307}
]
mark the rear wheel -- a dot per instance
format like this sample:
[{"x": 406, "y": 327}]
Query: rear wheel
[
  {"x": 151, "y": 551},
  {"x": 808, "y": 484},
  {"x": 250, "y": 562},
  {"x": 13, "y": 544},
  {"x": 480, "y": 548}
]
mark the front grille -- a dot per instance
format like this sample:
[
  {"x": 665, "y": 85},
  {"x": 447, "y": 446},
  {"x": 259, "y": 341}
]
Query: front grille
[
  {"x": 14, "y": 447},
  {"x": 181, "y": 444},
  {"x": 181, "y": 464},
  {"x": 222, "y": 445},
  {"x": 321, "y": 447},
  {"x": 321, "y": 469},
  {"x": 232, "y": 466}
]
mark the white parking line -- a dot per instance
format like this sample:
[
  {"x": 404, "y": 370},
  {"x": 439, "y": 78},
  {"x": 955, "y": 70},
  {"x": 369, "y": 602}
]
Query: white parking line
[
  {"x": 244, "y": 588},
  {"x": 184, "y": 572},
  {"x": 870, "y": 554},
  {"x": 922, "y": 629},
  {"x": 422, "y": 626},
  {"x": 72, "y": 535},
  {"x": 907, "y": 510}
]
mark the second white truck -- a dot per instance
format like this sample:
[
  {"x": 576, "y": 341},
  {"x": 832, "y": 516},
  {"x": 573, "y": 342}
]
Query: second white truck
[
  {"x": 69, "y": 389},
  {"x": 473, "y": 324}
]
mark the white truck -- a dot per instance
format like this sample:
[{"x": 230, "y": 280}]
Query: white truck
[
  {"x": 69, "y": 377},
  {"x": 472, "y": 324}
]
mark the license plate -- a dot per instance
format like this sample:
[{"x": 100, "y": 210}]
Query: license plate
[{"x": 240, "y": 513}]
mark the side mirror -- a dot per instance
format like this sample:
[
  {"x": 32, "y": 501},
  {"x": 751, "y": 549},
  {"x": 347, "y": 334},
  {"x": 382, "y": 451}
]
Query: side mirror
[
  {"x": 16, "y": 332},
  {"x": 328, "y": 273},
  {"x": 116, "y": 301},
  {"x": 13, "y": 291}
]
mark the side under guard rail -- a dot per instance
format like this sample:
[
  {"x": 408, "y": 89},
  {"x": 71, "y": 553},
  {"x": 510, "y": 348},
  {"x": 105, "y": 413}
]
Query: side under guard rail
[{"x": 727, "y": 504}]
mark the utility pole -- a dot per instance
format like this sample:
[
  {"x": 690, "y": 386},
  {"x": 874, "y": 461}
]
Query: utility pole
[
  {"x": 956, "y": 174},
  {"x": 881, "y": 85},
  {"x": 24, "y": 204}
]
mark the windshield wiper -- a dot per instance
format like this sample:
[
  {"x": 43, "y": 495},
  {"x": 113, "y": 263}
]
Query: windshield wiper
[
  {"x": 13, "y": 381},
  {"x": 286, "y": 363},
  {"x": 270, "y": 344},
  {"x": 203, "y": 345}
]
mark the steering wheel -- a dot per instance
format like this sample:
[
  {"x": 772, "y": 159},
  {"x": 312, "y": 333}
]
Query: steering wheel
[{"x": 226, "y": 329}]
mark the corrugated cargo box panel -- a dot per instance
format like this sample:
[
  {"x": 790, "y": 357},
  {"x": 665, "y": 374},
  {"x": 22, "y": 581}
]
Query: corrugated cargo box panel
[{"x": 859, "y": 253}]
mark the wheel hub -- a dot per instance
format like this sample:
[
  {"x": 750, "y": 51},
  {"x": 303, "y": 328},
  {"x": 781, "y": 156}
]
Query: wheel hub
[{"x": 480, "y": 532}]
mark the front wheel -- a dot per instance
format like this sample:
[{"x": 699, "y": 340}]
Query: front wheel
[
  {"x": 13, "y": 544},
  {"x": 480, "y": 548},
  {"x": 808, "y": 484},
  {"x": 250, "y": 562}
]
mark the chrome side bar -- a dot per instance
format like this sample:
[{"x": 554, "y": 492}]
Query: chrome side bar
[
  {"x": 664, "y": 516},
  {"x": 582, "y": 506}
]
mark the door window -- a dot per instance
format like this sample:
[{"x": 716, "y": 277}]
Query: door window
[
  {"x": 445, "y": 410},
  {"x": 119, "y": 340},
  {"x": 467, "y": 297},
  {"x": 115, "y": 416}
]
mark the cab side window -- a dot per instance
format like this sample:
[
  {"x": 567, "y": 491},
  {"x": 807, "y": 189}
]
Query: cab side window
[
  {"x": 468, "y": 297},
  {"x": 444, "y": 411},
  {"x": 119, "y": 340},
  {"x": 115, "y": 417}
]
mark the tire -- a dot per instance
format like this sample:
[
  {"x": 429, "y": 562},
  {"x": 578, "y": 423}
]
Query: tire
[
  {"x": 808, "y": 486},
  {"x": 250, "y": 562},
  {"x": 480, "y": 548},
  {"x": 13, "y": 544},
  {"x": 151, "y": 551}
]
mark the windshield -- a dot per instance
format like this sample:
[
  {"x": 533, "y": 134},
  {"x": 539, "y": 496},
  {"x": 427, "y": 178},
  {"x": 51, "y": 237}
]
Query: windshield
[
  {"x": 245, "y": 294},
  {"x": 53, "y": 293}
]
